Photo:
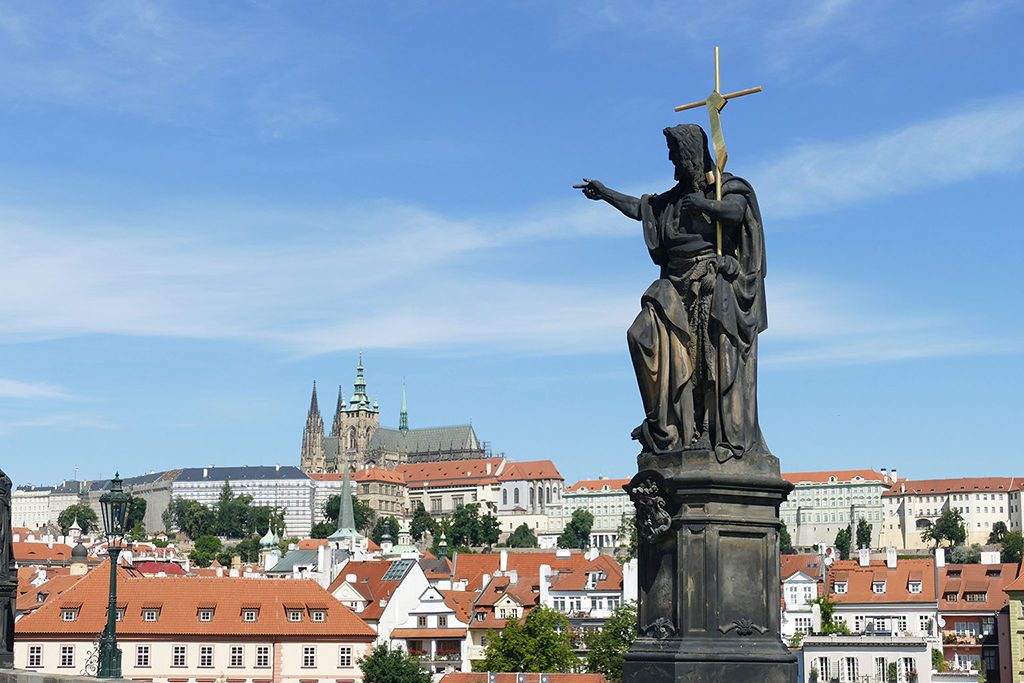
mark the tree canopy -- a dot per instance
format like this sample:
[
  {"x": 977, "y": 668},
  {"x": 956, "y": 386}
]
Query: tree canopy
[
  {"x": 948, "y": 528},
  {"x": 539, "y": 643},
  {"x": 607, "y": 645},
  {"x": 232, "y": 516},
  {"x": 522, "y": 537},
  {"x": 785, "y": 541},
  {"x": 385, "y": 525},
  {"x": 422, "y": 523},
  {"x": 577, "y": 531},
  {"x": 863, "y": 533},
  {"x": 998, "y": 533},
  {"x": 1013, "y": 547},
  {"x": 386, "y": 665},
  {"x": 85, "y": 515},
  {"x": 843, "y": 543},
  {"x": 469, "y": 528}
]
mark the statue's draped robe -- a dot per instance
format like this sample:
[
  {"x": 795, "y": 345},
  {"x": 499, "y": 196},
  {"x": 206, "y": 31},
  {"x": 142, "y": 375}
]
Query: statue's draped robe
[{"x": 694, "y": 343}]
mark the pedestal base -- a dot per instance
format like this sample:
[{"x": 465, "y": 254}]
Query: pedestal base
[{"x": 709, "y": 571}]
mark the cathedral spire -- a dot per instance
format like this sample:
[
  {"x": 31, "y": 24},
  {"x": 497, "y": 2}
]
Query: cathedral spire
[
  {"x": 314, "y": 408},
  {"x": 403, "y": 418},
  {"x": 346, "y": 513},
  {"x": 338, "y": 414},
  {"x": 360, "y": 401}
]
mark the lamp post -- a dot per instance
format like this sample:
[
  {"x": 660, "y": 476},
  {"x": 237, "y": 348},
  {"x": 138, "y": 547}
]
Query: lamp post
[{"x": 115, "y": 504}]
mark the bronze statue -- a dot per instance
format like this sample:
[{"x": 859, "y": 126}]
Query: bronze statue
[{"x": 694, "y": 343}]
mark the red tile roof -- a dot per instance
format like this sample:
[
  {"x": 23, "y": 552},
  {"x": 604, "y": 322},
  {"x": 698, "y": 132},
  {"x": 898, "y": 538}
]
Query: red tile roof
[
  {"x": 959, "y": 485},
  {"x": 31, "y": 552},
  {"x": 531, "y": 470},
  {"x": 178, "y": 598},
  {"x": 859, "y": 579},
  {"x": 465, "y": 472},
  {"x": 461, "y": 602},
  {"x": 35, "y": 596},
  {"x": 990, "y": 579},
  {"x": 824, "y": 476},
  {"x": 312, "y": 543},
  {"x": 1017, "y": 585},
  {"x": 572, "y": 569},
  {"x": 808, "y": 563},
  {"x": 378, "y": 474},
  {"x": 370, "y": 584},
  {"x": 169, "y": 568},
  {"x": 598, "y": 485}
]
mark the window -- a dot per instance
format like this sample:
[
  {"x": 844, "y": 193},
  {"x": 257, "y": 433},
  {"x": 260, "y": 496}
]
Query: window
[
  {"x": 803, "y": 624},
  {"x": 456, "y": 501},
  {"x": 294, "y": 615},
  {"x": 914, "y": 586},
  {"x": 504, "y": 496},
  {"x": 849, "y": 669},
  {"x": 949, "y": 597},
  {"x": 878, "y": 586},
  {"x": 206, "y": 615},
  {"x": 309, "y": 657},
  {"x": 150, "y": 614},
  {"x": 206, "y": 656},
  {"x": 881, "y": 669},
  {"x": 69, "y": 614},
  {"x": 559, "y": 604},
  {"x": 824, "y": 669},
  {"x": 67, "y": 656},
  {"x": 249, "y": 615},
  {"x": 142, "y": 656},
  {"x": 237, "y": 659},
  {"x": 903, "y": 623},
  {"x": 344, "y": 657},
  {"x": 515, "y": 497},
  {"x": 988, "y": 625},
  {"x": 119, "y": 614},
  {"x": 262, "y": 656},
  {"x": 442, "y": 621},
  {"x": 421, "y": 622},
  {"x": 908, "y": 666},
  {"x": 435, "y": 504},
  {"x": 975, "y": 597},
  {"x": 613, "y": 603},
  {"x": 35, "y": 656},
  {"x": 576, "y": 604},
  {"x": 839, "y": 587},
  {"x": 178, "y": 657},
  {"x": 318, "y": 615},
  {"x": 858, "y": 624},
  {"x": 925, "y": 624}
]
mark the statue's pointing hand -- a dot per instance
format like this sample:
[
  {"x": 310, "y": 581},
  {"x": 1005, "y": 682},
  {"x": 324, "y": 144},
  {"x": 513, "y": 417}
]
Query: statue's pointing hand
[{"x": 592, "y": 189}]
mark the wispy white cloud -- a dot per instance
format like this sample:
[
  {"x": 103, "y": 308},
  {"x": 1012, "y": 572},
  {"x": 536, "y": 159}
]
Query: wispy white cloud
[
  {"x": 56, "y": 421},
  {"x": 818, "y": 176},
  {"x": 13, "y": 388}
]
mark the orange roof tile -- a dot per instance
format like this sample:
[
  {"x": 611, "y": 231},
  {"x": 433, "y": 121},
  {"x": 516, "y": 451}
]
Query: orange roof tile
[
  {"x": 824, "y": 476},
  {"x": 990, "y": 579},
  {"x": 808, "y": 563},
  {"x": 36, "y": 596},
  {"x": 531, "y": 470},
  {"x": 959, "y": 485},
  {"x": 461, "y": 602},
  {"x": 370, "y": 584},
  {"x": 859, "y": 579},
  {"x": 312, "y": 543},
  {"x": 378, "y": 474},
  {"x": 598, "y": 484},
  {"x": 30, "y": 552},
  {"x": 473, "y": 566},
  {"x": 179, "y": 613},
  {"x": 466, "y": 472}
]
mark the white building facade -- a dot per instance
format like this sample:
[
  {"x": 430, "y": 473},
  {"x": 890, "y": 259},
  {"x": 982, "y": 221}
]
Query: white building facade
[{"x": 823, "y": 503}]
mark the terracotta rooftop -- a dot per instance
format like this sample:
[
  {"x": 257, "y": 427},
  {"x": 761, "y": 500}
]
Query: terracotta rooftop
[
  {"x": 472, "y": 567},
  {"x": 369, "y": 582},
  {"x": 34, "y": 597},
  {"x": 30, "y": 552},
  {"x": 169, "y": 568},
  {"x": 598, "y": 485},
  {"x": 808, "y": 563},
  {"x": 531, "y": 470},
  {"x": 461, "y": 602},
  {"x": 897, "y": 581},
  {"x": 989, "y": 580},
  {"x": 178, "y": 600},
  {"x": 366, "y": 474},
  {"x": 825, "y": 476},
  {"x": 959, "y": 485},
  {"x": 466, "y": 472}
]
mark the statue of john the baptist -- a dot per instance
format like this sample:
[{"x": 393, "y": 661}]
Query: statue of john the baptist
[{"x": 694, "y": 343}]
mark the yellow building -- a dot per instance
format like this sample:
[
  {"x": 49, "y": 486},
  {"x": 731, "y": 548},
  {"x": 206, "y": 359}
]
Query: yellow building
[{"x": 1015, "y": 661}]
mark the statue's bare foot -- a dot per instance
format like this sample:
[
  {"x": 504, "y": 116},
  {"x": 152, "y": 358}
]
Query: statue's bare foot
[{"x": 701, "y": 443}]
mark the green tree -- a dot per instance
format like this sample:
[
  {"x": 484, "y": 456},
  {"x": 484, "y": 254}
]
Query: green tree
[
  {"x": 627, "y": 538},
  {"x": 248, "y": 549},
  {"x": 863, "y": 533},
  {"x": 829, "y": 624},
  {"x": 192, "y": 518},
  {"x": 385, "y": 525},
  {"x": 843, "y": 542},
  {"x": 997, "y": 534},
  {"x": 362, "y": 512},
  {"x": 540, "y": 643},
  {"x": 322, "y": 529},
  {"x": 422, "y": 523},
  {"x": 1013, "y": 547},
  {"x": 938, "y": 661},
  {"x": 965, "y": 554},
  {"x": 205, "y": 550},
  {"x": 892, "y": 672},
  {"x": 465, "y": 528},
  {"x": 785, "y": 542},
  {"x": 577, "y": 532},
  {"x": 262, "y": 517},
  {"x": 949, "y": 527},
  {"x": 386, "y": 665},
  {"x": 607, "y": 645},
  {"x": 136, "y": 515},
  {"x": 490, "y": 530},
  {"x": 522, "y": 537},
  {"x": 83, "y": 513}
]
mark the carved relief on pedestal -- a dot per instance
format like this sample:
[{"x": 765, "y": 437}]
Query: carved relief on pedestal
[{"x": 652, "y": 517}]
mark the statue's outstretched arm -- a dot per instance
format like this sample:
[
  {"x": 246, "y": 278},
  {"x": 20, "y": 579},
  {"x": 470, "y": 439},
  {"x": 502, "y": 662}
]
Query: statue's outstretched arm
[{"x": 595, "y": 189}]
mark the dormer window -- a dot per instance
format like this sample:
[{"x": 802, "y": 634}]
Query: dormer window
[
  {"x": 40, "y": 597},
  {"x": 914, "y": 587},
  {"x": 206, "y": 615},
  {"x": 69, "y": 615},
  {"x": 839, "y": 587},
  {"x": 318, "y": 615},
  {"x": 953, "y": 573},
  {"x": 294, "y": 615},
  {"x": 975, "y": 597},
  {"x": 119, "y": 614},
  {"x": 878, "y": 586},
  {"x": 150, "y": 614},
  {"x": 249, "y": 615},
  {"x": 950, "y": 596}
]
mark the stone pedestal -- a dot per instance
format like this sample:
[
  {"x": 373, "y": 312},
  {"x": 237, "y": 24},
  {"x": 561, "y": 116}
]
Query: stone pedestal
[{"x": 709, "y": 571}]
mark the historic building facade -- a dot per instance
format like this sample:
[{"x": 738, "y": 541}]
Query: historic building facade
[
  {"x": 357, "y": 437},
  {"x": 825, "y": 502}
]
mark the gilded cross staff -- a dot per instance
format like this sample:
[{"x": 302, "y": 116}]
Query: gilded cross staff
[{"x": 715, "y": 102}]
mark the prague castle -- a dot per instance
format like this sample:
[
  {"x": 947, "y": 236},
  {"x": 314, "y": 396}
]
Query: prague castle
[{"x": 357, "y": 437}]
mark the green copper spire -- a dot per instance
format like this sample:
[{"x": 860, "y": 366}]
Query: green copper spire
[
  {"x": 403, "y": 419},
  {"x": 360, "y": 401},
  {"x": 346, "y": 514}
]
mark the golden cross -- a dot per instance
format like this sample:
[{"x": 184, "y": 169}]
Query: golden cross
[{"x": 715, "y": 102}]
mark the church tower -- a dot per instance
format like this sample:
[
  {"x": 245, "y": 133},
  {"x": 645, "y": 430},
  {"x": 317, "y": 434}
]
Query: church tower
[
  {"x": 312, "y": 459},
  {"x": 357, "y": 422},
  {"x": 339, "y": 413}
]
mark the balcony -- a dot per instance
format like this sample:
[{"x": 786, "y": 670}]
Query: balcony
[{"x": 954, "y": 639}]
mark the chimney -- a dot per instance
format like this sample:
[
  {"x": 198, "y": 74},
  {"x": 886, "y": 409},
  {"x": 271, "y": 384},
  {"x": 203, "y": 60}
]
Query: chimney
[
  {"x": 990, "y": 557},
  {"x": 206, "y": 473},
  {"x": 890, "y": 557},
  {"x": 885, "y": 475},
  {"x": 591, "y": 554},
  {"x": 940, "y": 558},
  {"x": 893, "y": 476},
  {"x": 488, "y": 468},
  {"x": 503, "y": 561},
  {"x": 485, "y": 580},
  {"x": 864, "y": 557},
  {"x": 545, "y": 584},
  {"x": 277, "y": 468},
  {"x": 513, "y": 577}
]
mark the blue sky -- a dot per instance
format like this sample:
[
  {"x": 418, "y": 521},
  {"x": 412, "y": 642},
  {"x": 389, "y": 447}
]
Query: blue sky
[{"x": 206, "y": 206}]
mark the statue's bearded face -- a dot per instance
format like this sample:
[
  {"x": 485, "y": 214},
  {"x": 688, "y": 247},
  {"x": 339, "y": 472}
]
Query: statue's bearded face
[{"x": 686, "y": 150}]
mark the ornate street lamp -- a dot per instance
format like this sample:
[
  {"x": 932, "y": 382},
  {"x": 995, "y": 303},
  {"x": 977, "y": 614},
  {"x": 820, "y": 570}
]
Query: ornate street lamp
[{"x": 115, "y": 505}]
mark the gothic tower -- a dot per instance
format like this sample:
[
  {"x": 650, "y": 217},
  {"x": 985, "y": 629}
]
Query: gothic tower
[
  {"x": 312, "y": 459},
  {"x": 357, "y": 422},
  {"x": 339, "y": 413}
]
